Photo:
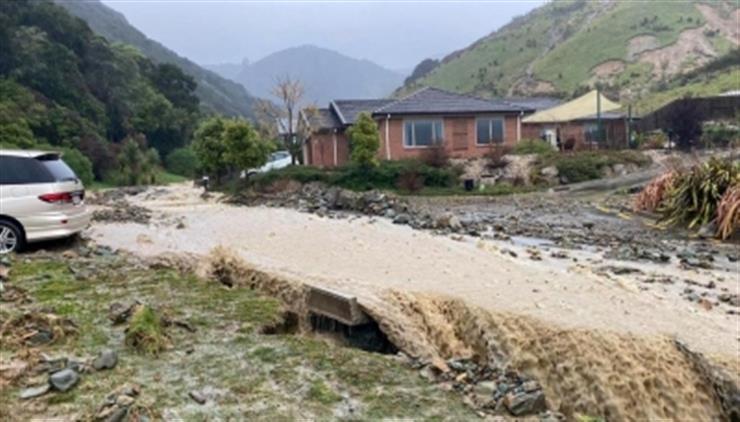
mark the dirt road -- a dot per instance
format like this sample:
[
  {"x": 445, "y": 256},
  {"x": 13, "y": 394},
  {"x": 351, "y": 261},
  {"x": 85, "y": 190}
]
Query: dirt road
[{"x": 365, "y": 256}]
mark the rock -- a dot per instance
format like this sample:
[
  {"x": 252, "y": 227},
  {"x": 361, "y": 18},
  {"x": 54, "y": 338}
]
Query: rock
[
  {"x": 41, "y": 337},
  {"x": 198, "y": 397},
  {"x": 448, "y": 221},
  {"x": 4, "y": 272},
  {"x": 124, "y": 400},
  {"x": 550, "y": 172},
  {"x": 64, "y": 380},
  {"x": 705, "y": 303},
  {"x": 107, "y": 359},
  {"x": 119, "y": 313},
  {"x": 32, "y": 392},
  {"x": 588, "y": 225},
  {"x": 530, "y": 386},
  {"x": 729, "y": 298},
  {"x": 521, "y": 404},
  {"x": 401, "y": 219},
  {"x": 487, "y": 388},
  {"x": 112, "y": 414}
]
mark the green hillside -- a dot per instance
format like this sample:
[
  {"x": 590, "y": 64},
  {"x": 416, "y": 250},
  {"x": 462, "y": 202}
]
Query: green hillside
[
  {"x": 63, "y": 85},
  {"x": 217, "y": 94},
  {"x": 564, "y": 47}
]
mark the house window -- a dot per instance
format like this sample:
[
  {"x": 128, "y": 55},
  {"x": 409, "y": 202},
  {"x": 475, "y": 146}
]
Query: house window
[
  {"x": 422, "y": 133},
  {"x": 489, "y": 130}
]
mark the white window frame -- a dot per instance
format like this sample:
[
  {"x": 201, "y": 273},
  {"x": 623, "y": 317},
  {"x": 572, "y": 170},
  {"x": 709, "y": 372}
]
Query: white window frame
[
  {"x": 490, "y": 130},
  {"x": 407, "y": 145}
]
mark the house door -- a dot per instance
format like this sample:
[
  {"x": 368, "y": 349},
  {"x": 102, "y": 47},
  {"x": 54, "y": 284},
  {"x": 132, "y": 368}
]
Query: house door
[
  {"x": 460, "y": 134},
  {"x": 550, "y": 135}
]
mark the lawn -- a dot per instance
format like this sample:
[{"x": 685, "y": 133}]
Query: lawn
[{"x": 243, "y": 374}]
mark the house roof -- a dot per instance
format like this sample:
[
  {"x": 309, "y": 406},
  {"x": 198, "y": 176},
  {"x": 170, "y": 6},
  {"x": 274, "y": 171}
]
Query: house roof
[
  {"x": 581, "y": 107},
  {"x": 348, "y": 110},
  {"x": 606, "y": 115},
  {"x": 322, "y": 118},
  {"x": 436, "y": 101},
  {"x": 534, "y": 103}
]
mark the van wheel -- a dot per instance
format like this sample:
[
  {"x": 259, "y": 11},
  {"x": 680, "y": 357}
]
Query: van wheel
[{"x": 11, "y": 237}]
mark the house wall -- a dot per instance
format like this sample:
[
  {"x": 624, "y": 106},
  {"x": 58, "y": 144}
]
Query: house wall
[
  {"x": 321, "y": 149},
  {"x": 459, "y": 137}
]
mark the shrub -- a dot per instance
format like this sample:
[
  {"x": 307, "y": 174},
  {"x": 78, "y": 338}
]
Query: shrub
[
  {"x": 302, "y": 174},
  {"x": 532, "y": 146},
  {"x": 650, "y": 198},
  {"x": 694, "y": 197},
  {"x": 137, "y": 166},
  {"x": 495, "y": 157},
  {"x": 652, "y": 140},
  {"x": 183, "y": 161},
  {"x": 436, "y": 157},
  {"x": 728, "y": 213},
  {"x": 720, "y": 135},
  {"x": 364, "y": 141},
  {"x": 410, "y": 181},
  {"x": 588, "y": 165},
  {"x": 80, "y": 164}
]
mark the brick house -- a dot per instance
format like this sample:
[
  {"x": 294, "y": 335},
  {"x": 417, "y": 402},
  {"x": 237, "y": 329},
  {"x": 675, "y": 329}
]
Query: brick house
[{"x": 465, "y": 126}]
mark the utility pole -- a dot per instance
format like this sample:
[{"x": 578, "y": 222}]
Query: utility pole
[{"x": 599, "y": 135}]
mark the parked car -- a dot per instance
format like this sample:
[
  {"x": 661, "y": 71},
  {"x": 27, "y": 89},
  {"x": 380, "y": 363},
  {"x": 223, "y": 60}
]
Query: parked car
[
  {"x": 276, "y": 160},
  {"x": 40, "y": 198}
]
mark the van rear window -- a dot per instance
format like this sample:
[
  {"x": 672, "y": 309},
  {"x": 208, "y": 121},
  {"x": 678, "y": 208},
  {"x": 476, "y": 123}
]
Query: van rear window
[{"x": 23, "y": 170}]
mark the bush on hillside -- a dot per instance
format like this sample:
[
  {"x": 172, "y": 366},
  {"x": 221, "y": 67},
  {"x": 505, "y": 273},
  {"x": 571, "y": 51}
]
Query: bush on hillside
[
  {"x": 532, "y": 146},
  {"x": 80, "y": 164},
  {"x": 183, "y": 161}
]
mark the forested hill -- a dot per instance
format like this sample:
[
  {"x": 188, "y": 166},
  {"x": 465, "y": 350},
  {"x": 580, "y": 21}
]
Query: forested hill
[
  {"x": 566, "y": 47},
  {"x": 63, "y": 85},
  {"x": 217, "y": 94}
]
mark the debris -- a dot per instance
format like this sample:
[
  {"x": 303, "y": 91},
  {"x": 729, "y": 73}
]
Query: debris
[
  {"x": 119, "y": 404},
  {"x": 520, "y": 404},
  {"x": 119, "y": 313},
  {"x": 107, "y": 359},
  {"x": 33, "y": 392},
  {"x": 36, "y": 329},
  {"x": 64, "y": 380},
  {"x": 197, "y": 396},
  {"x": 123, "y": 212}
]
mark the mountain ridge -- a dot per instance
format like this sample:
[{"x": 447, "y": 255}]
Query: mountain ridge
[
  {"x": 564, "y": 48},
  {"x": 217, "y": 94},
  {"x": 326, "y": 74}
]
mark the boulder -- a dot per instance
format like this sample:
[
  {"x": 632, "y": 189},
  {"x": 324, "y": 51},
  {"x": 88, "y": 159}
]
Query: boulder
[
  {"x": 107, "y": 359},
  {"x": 64, "y": 380},
  {"x": 521, "y": 404}
]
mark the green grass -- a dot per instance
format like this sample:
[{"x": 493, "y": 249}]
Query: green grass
[
  {"x": 532, "y": 146},
  {"x": 703, "y": 85},
  {"x": 586, "y": 165},
  {"x": 146, "y": 332},
  {"x": 274, "y": 377},
  {"x": 607, "y": 39}
]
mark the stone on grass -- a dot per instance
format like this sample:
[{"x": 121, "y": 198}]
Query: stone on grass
[
  {"x": 107, "y": 359},
  {"x": 64, "y": 380},
  {"x": 32, "y": 392},
  {"x": 197, "y": 396}
]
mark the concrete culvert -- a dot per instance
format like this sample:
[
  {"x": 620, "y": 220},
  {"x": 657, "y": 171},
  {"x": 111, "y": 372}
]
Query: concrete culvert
[{"x": 367, "y": 336}]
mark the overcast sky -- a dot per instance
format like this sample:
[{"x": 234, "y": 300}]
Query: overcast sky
[{"x": 391, "y": 33}]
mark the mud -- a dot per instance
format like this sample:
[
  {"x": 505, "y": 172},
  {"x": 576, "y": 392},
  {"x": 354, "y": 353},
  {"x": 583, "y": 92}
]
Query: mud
[{"x": 583, "y": 372}]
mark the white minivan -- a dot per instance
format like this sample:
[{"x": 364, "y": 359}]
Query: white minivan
[{"x": 40, "y": 198}]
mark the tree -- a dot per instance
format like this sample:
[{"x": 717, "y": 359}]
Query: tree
[
  {"x": 208, "y": 146},
  {"x": 137, "y": 166},
  {"x": 290, "y": 93},
  {"x": 80, "y": 164},
  {"x": 183, "y": 161},
  {"x": 244, "y": 148},
  {"x": 364, "y": 141}
]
